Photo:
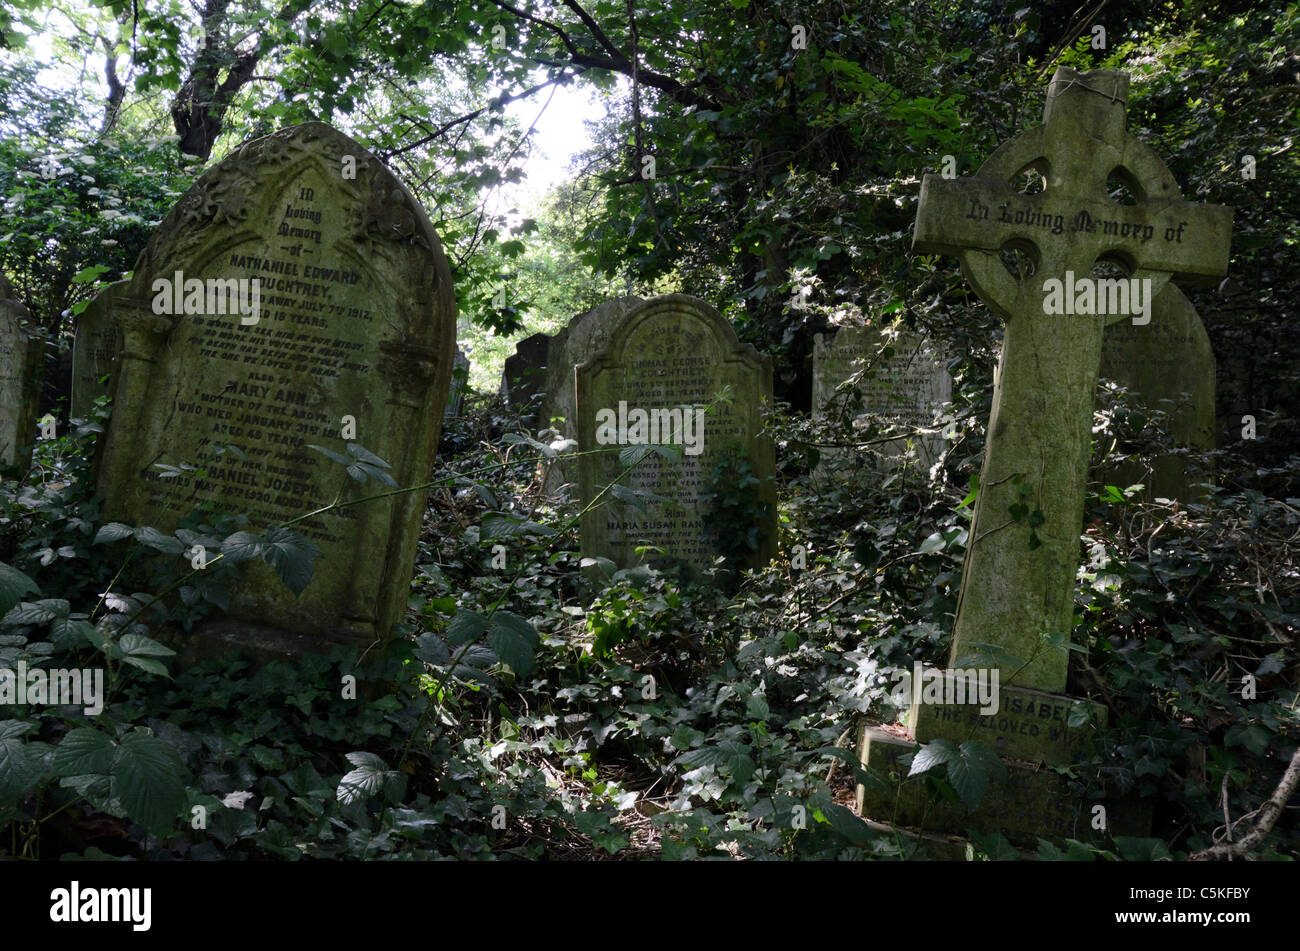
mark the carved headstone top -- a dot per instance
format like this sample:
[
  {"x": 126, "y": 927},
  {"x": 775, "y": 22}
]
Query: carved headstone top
[
  {"x": 1018, "y": 582},
  {"x": 658, "y": 380},
  {"x": 296, "y": 295}
]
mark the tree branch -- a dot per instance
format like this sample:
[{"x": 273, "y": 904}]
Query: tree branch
[
  {"x": 471, "y": 116},
  {"x": 617, "y": 62},
  {"x": 1267, "y": 816}
]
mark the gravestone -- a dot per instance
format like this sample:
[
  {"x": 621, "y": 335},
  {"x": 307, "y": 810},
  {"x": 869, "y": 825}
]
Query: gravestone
[
  {"x": 664, "y": 362},
  {"x": 1167, "y": 364},
  {"x": 316, "y": 298},
  {"x": 21, "y": 352},
  {"x": 580, "y": 340},
  {"x": 93, "y": 349},
  {"x": 459, "y": 383},
  {"x": 1021, "y": 562},
  {"x": 524, "y": 378},
  {"x": 901, "y": 383}
]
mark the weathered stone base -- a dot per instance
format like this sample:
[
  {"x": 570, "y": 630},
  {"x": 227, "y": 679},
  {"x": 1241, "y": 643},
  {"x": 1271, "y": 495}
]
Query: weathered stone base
[
  {"x": 226, "y": 636},
  {"x": 1033, "y": 803},
  {"x": 1028, "y": 725}
]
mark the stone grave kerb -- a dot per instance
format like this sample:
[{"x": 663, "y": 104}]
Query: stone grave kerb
[{"x": 1037, "y": 450}]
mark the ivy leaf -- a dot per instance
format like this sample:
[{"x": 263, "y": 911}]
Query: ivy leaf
[
  {"x": 932, "y": 544},
  {"x": 13, "y": 585},
  {"x": 1272, "y": 664},
  {"x": 292, "y": 555},
  {"x": 148, "y": 779},
  {"x": 514, "y": 640}
]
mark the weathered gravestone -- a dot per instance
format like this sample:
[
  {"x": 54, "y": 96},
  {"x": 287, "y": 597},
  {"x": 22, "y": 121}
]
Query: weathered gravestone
[
  {"x": 296, "y": 290},
  {"x": 21, "y": 351},
  {"x": 901, "y": 381},
  {"x": 579, "y": 341},
  {"x": 459, "y": 383},
  {"x": 665, "y": 361},
  {"x": 93, "y": 349},
  {"x": 524, "y": 376},
  {"x": 1166, "y": 364},
  {"x": 1022, "y": 557}
]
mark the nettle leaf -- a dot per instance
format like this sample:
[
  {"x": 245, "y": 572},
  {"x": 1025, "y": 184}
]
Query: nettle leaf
[
  {"x": 241, "y": 546},
  {"x": 633, "y": 454},
  {"x": 514, "y": 640},
  {"x": 13, "y": 585},
  {"x": 362, "y": 454},
  {"x": 466, "y": 626},
  {"x": 504, "y": 526},
  {"x": 38, "y": 612},
  {"x": 156, "y": 540},
  {"x": 432, "y": 649},
  {"x": 112, "y": 532},
  {"x": 140, "y": 651},
  {"x": 970, "y": 770},
  {"x": 624, "y": 494},
  {"x": 330, "y": 453},
  {"x": 842, "y": 820},
  {"x": 148, "y": 779},
  {"x": 361, "y": 470},
  {"x": 20, "y": 769},
  {"x": 11, "y": 729},
  {"x": 84, "y": 751},
  {"x": 935, "y": 753},
  {"x": 370, "y": 777},
  {"x": 292, "y": 555}
]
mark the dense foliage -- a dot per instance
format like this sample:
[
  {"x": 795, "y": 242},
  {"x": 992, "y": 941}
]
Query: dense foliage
[{"x": 555, "y": 708}]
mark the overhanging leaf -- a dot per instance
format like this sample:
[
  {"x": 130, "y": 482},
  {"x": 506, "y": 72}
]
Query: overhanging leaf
[
  {"x": 13, "y": 585},
  {"x": 514, "y": 641},
  {"x": 147, "y": 778},
  {"x": 292, "y": 555}
]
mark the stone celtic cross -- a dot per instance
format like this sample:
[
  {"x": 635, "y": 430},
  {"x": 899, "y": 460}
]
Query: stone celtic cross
[{"x": 1023, "y": 551}]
